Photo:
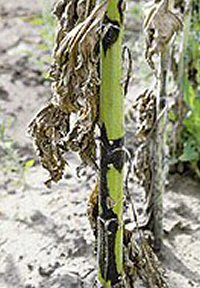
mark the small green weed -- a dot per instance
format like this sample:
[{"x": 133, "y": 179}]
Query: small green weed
[{"x": 12, "y": 166}]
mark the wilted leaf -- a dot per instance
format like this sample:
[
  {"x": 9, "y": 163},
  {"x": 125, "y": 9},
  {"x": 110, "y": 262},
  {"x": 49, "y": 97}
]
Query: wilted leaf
[
  {"x": 160, "y": 26},
  {"x": 92, "y": 210},
  {"x": 75, "y": 86},
  {"x": 145, "y": 111}
]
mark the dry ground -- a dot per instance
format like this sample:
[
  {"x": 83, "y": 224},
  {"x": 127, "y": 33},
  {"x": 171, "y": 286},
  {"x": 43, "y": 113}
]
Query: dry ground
[{"x": 45, "y": 238}]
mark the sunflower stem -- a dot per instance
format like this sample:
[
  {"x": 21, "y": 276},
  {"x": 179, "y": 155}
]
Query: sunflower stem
[{"x": 111, "y": 196}]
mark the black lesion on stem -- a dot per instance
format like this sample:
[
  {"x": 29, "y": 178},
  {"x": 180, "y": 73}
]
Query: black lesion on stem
[
  {"x": 112, "y": 31},
  {"x": 107, "y": 259},
  {"x": 111, "y": 154},
  {"x": 121, "y": 9},
  {"x": 112, "y": 151}
]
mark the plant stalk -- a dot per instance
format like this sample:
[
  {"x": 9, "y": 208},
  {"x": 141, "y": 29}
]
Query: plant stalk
[
  {"x": 159, "y": 165},
  {"x": 111, "y": 196}
]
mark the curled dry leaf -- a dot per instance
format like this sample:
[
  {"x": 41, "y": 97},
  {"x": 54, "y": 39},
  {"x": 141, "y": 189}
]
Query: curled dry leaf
[
  {"x": 139, "y": 259},
  {"x": 144, "y": 109},
  {"x": 143, "y": 167},
  {"x": 75, "y": 86},
  {"x": 160, "y": 26},
  {"x": 141, "y": 262},
  {"x": 48, "y": 128}
]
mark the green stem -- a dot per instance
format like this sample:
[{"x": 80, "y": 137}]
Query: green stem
[
  {"x": 111, "y": 196},
  {"x": 180, "y": 83}
]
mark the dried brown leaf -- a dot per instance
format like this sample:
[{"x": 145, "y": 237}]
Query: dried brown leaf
[
  {"x": 75, "y": 88},
  {"x": 160, "y": 26}
]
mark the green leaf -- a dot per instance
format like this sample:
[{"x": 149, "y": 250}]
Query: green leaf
[
  {"x": 189, "y": 94},
  {"x": 189, "y": 152},
  {"x": 29, "y": 163},
  {"x": 186, "y": 91},
  {"x": 37, "y": 21},
  {"x": 172, "y": 116}
]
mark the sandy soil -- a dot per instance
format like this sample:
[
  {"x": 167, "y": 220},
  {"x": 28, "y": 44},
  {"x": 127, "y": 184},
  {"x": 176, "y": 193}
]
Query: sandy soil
[{"x": 45, "y": 237}]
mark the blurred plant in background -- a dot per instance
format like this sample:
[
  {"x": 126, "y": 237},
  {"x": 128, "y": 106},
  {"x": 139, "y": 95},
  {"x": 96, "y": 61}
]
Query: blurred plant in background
[
  {"x": 184, "y": 114},
  {"x": 47, "y": 23},
  {"x": 191, "y": 87}
]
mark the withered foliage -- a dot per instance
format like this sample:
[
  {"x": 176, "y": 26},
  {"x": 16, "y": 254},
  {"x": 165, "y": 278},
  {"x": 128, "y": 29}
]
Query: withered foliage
[
  {"x": 140, "y": 261},
  {"x": 75, "y": 88},
  {"x": 160, "y": 26},
  {"x": 92, "y": 210},
  {"x": 144, "y": 109},
  {"x": 48, "y": 128}
]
